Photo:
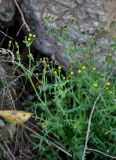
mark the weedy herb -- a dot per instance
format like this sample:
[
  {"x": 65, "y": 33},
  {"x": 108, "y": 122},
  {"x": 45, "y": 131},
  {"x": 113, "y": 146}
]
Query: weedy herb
[
  {"x": 77, "y": 110},
  {"x": 64, "y": 108}
]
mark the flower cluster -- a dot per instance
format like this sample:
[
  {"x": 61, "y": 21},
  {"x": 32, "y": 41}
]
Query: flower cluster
[{"x": 31, "y": 37}]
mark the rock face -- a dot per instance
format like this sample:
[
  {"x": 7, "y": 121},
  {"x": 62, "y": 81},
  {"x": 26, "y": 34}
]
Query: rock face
[
  {"x": 86, "y": 15},
  {"x": 7, "y": 12}
]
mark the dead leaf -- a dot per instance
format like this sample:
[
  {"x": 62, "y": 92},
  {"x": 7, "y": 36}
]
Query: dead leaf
[{"x": 15, "y": 116}]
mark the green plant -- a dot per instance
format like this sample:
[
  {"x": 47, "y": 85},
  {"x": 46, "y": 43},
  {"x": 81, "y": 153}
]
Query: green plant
[
  {"x": 75, "y": 111},
  {"x": 64, "y": 104}
]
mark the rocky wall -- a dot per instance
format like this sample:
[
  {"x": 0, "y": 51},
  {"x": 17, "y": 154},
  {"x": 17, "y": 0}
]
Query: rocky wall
[{"x": 87, "y": 15}]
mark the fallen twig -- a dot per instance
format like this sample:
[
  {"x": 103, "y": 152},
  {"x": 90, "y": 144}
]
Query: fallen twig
[
  {"x": 22, "y": 16},
  {"x": 95, "y": 150},
  {"x": 54, "y": 144},
  {"x": 90, "y": 119}
]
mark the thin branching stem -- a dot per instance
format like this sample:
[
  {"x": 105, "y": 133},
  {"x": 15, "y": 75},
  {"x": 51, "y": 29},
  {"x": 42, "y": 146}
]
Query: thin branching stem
[{"x": 90, "y": 118}]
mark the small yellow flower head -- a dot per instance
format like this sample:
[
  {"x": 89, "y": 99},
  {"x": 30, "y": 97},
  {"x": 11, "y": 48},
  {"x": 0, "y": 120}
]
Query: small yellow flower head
[
  {"x": 11, "y": 42},
  {"x": 59, "y": 67},
  {"x": 30, "y": 35},
  {"x": 71, "y": 73},
  {"x": 48, "y": 65},
  {"x": 110, "y": 54},
  {"x": 79, "y": 70},
  {"x": 63, "y": 78},
  {"x": 108, "y": 83},
  {"x": 34, "y": 36},
  {"x": 83, "y": 67},
  {"x": 55, "y": 72},
  {"x": 40, "y": 59},
  {"x": 94, "y": 68},
  {"x": 29, "y": 39},
  {"x": 75, "y": 125},
  {"x": 95, "y": 85}
]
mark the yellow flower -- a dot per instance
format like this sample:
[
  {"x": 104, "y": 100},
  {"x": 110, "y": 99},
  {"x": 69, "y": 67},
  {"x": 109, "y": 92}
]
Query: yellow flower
[
  {"x": 110, "y": 54},
  {"x": 30, "y": 35},
  {"x": 34, "y": 35},
  {"x": 29, "y": 39},
  {"x": 79, "y": 70},
  {"x": 63, "y": 78},
  {"x": 94, "y": 68},
  {"x": 75, "y": 125},
  {"x": 83, "y": 67},
  {"x": 108, "y": 83},
  {"x": 95, "y": 85},
  {"x": 55, "y": 72},
  {"x": 59, "y": 67},
  {"x": 72, "y": 73}
]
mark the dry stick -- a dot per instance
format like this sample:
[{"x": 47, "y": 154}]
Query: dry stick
[
  {"x": 55, "y": 145},
  {"x": 20, "y": 29},
  {"x": 90, "y": 118},
  {"x": 89, "y": 125},
  {"x": 4, "y": 38},
  {"x": 95, "y": 150},
  {"x": 5, "y": 34},
  {"x": 5, "y": 152},
  {"x": 8, "y": 149},
  {"x": 22, "y": 16},
  {"x": 44, "y": 133}
]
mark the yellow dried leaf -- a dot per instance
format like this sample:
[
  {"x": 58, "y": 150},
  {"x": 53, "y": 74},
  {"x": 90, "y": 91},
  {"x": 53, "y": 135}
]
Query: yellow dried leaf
[{"x": 15, "y": 116}]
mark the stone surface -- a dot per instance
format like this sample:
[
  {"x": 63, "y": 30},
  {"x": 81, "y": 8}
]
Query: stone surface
[
  {"x": 7, "y": 12},
  {"x": 88, "y": 15}
]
